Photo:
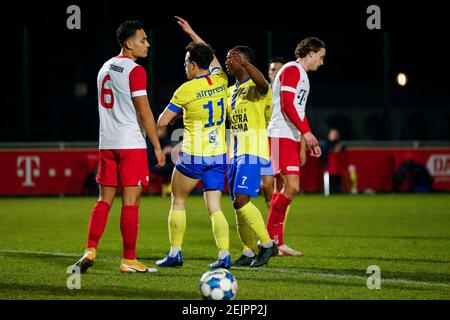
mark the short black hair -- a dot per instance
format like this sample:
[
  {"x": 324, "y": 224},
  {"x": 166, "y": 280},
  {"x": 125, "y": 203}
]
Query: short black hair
[
  {"x": 247, "y": 52},
  {"x": 200, "y": 53},
  {"x": 277, "y": 59},
  {"x": 127, "y": 30},
  {"x": 307, "y": 45}
]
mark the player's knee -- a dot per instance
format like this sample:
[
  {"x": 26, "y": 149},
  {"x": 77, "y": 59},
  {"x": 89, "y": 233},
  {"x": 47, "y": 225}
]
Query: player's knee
[
  {"x": 108, "y": 198},
  {"x": 131, "y": 201},
  {"x": 109, "y": 201},
  {"x": 178, "y": 204},
  {"x": 291, "y": 190},
  {"x": 240, "y": 201},
  {"x": 267, "y": 186},
  {"x": 107, "y": 195},
  {"x": 131, "y": 196}
]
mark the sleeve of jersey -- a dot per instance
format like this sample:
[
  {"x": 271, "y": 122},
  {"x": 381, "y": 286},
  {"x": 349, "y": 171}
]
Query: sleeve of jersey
[
  {"x": 179, "y": 99},
  {"x": 289, "y": 80},
  {"x": 138, "y": 82}
]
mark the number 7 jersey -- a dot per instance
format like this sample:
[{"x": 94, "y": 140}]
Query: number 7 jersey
[
  {"x": 204, "y": 102},
  {"x": 119, "y": 80}
]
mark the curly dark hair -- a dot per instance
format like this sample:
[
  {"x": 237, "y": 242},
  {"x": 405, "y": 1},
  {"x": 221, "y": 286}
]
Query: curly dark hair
[{"x": 307, "y": 45}]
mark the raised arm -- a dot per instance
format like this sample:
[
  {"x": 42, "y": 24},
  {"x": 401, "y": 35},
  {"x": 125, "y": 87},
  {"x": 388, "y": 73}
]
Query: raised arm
[
  {"x": 196, "y": 38},
  {"x": 258, "y": 78}
]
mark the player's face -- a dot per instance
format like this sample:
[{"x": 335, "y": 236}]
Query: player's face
[
  {"x": 232, "y": 68},
  {"x": 274, "y": 67},
  {"x": 316, "y": 60},
  {"x": 140, "y": 44},
  {"x": 188, "y": 66}
]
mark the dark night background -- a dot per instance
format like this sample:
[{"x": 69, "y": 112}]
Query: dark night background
[{"x": 49, "y": 72}]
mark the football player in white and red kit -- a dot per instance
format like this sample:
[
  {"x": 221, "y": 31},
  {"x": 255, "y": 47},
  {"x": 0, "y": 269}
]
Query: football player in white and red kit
[
  {"x": 125, "y": 118},
  {"x": 287, "y": 126}
]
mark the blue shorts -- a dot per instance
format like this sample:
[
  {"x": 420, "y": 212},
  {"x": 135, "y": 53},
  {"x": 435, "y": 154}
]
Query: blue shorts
[
  {"x": 210, "y": 170},
  {"x": 244, "y": 175},
  {"x": 267, "y": 169}
]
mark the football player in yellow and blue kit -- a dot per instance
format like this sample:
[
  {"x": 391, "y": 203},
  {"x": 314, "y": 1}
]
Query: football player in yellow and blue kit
[
  {"x": 203, "y": 101},
  {"x": 249, "y": 153}
]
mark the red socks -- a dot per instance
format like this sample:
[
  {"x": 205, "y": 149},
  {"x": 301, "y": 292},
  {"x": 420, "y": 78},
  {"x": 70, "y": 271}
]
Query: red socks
[
  {"x": 272, "y": 226},
  {"x": 97, "y": 223},
  {"x": 274, "y": 196},
  {"x": 129, "y": 223},
  {"x": 277, "y": 215}
]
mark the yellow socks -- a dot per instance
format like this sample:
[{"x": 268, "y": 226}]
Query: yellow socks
[
  {"x": 245, "y": 233},
  {"x": 177, "y": 226},
  {"x": 252, "y": 216},
  {"x": 220, "y": 230}
]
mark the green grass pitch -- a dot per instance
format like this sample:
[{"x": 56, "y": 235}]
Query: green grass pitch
[{"x": 407, "y": 236}]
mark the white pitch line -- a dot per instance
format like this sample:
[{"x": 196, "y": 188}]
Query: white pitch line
[
  {"x": 351, "y": 276},
  {"x": 56, "y": 254},
  {"x": 271, "y": 270}
]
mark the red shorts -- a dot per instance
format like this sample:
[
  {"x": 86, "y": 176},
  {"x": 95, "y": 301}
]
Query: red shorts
[
  {"x": 285, "y": 155},
  {"x": 123, "y": 168}
]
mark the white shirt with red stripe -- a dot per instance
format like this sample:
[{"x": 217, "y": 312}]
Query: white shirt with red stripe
[
  {"x": 118, "y": 81},
  {"x": 290, "y": 93}
]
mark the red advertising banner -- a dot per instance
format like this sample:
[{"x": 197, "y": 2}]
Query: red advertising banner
[
  {"x": 375, "y": 168},
  {"x": 53, "y": 172},
  {"x": 45, "y": 172}
]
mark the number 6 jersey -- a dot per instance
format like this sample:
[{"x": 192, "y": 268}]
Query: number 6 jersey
[
  {"x": 288, "y": 115},
  {"x": 119, "y": 80}
]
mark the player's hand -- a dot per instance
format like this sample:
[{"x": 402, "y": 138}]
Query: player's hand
[
  {"x": 160, "y": 157},
  {"x": 184, "y": 25},
  {"x": 236, "y": 57},
  {"x": 313, "y": 144}
]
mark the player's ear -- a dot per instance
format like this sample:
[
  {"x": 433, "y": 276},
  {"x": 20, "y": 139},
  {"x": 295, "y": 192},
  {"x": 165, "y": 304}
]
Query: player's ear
[{"x": 128, "y": 44}]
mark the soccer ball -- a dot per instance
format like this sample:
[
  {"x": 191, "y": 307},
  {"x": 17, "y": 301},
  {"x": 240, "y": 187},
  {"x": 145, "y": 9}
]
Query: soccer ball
[{"x": 218, "y": 284}]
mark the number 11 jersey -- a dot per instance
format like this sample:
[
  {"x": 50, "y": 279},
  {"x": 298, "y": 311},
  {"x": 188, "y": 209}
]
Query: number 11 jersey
[{"x": 204, "y": 103}]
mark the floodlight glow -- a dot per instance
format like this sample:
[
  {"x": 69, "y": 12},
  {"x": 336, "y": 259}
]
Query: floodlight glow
[{"x": 402, "y": 79}]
